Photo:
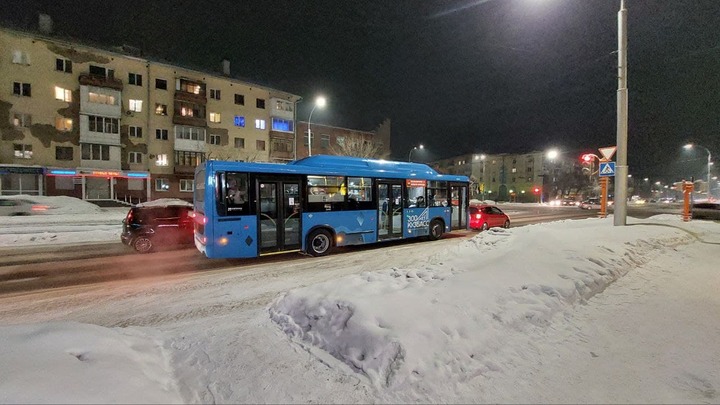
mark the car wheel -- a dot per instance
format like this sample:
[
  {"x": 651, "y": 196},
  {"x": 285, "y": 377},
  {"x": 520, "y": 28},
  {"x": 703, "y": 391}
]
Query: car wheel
[
  {"x": 319, "y": 243},
  {"x": 485, "y": 226},
  {"x": 143, "y": 244},
  {"x": 506, "y": 225},
  {"x": 436, "y": 230}
]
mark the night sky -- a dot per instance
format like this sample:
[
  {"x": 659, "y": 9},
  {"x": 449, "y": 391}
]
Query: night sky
[{"x": 488, "y": 76}]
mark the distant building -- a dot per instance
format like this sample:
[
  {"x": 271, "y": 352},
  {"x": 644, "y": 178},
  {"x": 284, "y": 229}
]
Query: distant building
[{"x": 511, "y": 177}]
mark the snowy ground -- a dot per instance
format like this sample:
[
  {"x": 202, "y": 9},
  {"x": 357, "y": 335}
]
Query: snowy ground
[{"x": 563, "y": 312}]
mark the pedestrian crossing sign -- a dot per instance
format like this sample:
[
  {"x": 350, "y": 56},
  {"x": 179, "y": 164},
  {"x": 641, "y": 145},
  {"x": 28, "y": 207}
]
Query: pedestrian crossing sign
[{"x": 607, "y": 169}]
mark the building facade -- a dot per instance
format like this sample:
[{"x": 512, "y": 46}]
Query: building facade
[
  {"x": 103, "y": 124},
  {"x": 501, "y": 177},
  {"x": 329, "y": 140}
]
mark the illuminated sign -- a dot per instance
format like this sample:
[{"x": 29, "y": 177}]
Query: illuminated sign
[
  {"x": 62, "y": 173},
  {"x": 415, "y": 183},
  {"x": 138, "y": 175}
]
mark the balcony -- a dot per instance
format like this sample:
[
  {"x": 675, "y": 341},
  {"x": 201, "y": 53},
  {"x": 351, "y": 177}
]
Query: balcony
[
  {"x": 189, "y": 121},
  {"x": 184, "y": 169},
  {"x": 191, "y": 97},
  {"x": 100, "y": 81}
]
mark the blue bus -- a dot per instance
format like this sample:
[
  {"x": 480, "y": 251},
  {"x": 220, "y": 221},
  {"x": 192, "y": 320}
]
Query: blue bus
[{"x": 311, "y": 205}]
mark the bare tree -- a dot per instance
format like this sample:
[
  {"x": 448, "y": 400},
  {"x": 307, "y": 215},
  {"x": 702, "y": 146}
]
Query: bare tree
[
  {"x": 233, "y": 156},
  {"x": 358, "y": 145}
]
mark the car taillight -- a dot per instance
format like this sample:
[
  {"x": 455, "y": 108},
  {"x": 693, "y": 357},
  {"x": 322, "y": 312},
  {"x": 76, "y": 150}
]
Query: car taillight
[
  {"x": 129, "y": 217},
  {"x": 478, "y": 216},
  {"x": 39, "y": 208}
]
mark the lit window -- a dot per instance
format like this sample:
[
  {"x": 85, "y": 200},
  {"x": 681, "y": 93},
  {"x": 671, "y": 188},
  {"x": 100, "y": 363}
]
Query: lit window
[
  {"x": 162, "y": 160},
  {"x": 239, "y": 121},
  {"x": 160, "y": 109},
  {"x": 214, "y": 117},
  {"x": 135, "y": 105},
  {"x": 162, "y": 185},
  {"x": 98, "y": 98},
  {"x": 23, "y": 151},
  {"x": 63, "y": 94},
  {"x": 259, "y": 124},
  {"x": 21, "y": 58},
  {"x": 63, "y": 124},
  {"x": 22, "y": 120},
  {"x": 282, "y": 125}
]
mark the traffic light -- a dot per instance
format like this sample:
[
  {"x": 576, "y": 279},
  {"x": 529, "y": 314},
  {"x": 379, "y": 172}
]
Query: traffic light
[{"x": 536, "y": 190}]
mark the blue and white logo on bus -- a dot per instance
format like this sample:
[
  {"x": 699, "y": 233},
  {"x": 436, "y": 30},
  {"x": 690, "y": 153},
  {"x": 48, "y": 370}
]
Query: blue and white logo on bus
[{"x": 421, "y": 220}]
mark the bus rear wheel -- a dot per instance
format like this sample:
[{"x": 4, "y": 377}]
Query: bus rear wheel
[
  {"x": 319, "y": 243},
  {"x": 436, "y": 229}
]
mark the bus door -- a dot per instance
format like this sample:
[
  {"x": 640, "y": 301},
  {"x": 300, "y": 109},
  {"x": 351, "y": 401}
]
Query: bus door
[
  {"x": 278, "y": 207},
  {"x": 390, "y": 207},
  {"x": 459, "y": 203}
]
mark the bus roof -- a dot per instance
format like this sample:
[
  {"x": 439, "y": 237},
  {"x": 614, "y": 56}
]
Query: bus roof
[{"x": 341, "y": 166}]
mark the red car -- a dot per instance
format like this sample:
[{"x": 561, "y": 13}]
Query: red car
[{"x": 484, "y": 217}]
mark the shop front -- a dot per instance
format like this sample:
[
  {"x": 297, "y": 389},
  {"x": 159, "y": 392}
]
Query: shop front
[
  {"x": 99, "y": 184},
  {"x": 18, "y": 179}
]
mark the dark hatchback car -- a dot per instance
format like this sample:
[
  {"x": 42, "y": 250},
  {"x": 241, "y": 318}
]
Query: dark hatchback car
[
  {"x": 706, "y": 210},
  {"x": 149, "y": 228}
]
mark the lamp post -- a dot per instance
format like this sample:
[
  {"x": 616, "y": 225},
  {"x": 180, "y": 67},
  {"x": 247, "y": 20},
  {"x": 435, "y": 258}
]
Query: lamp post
[
  {"x": 621, "y": 169},
  {"x": 482, "y": 157},
  {"x": 411, "y": 151},
  {"x": 319, "y": 102},
  {"x": 551, "y": 155},
  {"x": 709, "y": 163}
]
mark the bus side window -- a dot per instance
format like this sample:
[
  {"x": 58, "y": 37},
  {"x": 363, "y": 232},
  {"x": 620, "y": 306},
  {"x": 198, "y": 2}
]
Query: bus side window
[{"x": 236, "y": 193}]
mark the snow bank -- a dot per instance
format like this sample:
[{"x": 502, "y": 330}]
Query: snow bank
[
  {"x": 72, "y": 362},
  {"x": 397, "y": 325}
]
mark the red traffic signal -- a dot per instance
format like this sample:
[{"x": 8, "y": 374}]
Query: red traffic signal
[
  {"x": 587, "y": 157},
  {"x": 536, "y": 190}
]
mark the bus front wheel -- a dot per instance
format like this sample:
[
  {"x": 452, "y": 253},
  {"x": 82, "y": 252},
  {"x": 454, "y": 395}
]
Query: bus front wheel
[
  {"x": 436, "y": 229},
  {"x": 319, "y": 243}
]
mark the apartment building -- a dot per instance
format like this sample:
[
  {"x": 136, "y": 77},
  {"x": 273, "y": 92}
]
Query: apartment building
[
  {"x": 98, "y": 123},
  {"x": 330, "y": 140},
  {"x": 501, "y": 177}
]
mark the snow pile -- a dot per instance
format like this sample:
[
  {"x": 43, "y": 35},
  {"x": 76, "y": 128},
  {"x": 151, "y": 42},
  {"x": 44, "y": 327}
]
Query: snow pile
[
  {"x": 60, "y": 205},
  {"x": 70, "y": 360},
  {"x": 451, "y": 318}
]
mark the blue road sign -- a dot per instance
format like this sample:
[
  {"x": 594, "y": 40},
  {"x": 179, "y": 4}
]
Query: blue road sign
[{"x": 607, "y": 169}]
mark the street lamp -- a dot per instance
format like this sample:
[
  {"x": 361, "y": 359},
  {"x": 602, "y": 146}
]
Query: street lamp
[
  {"x": 482, "y": 158},
  {"x": 414, "y": 147},
  {"x": 319, "y": 102},
  {"x": 709, "y": 163}
]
